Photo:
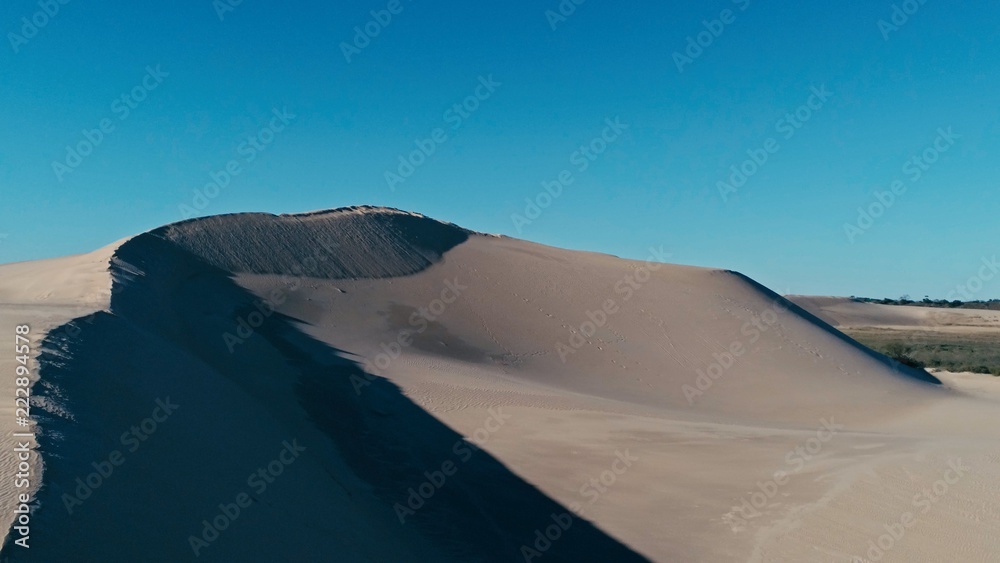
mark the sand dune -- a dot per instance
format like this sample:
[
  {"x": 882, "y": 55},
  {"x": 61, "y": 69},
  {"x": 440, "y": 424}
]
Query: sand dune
[{"x": 413, "y": 391}]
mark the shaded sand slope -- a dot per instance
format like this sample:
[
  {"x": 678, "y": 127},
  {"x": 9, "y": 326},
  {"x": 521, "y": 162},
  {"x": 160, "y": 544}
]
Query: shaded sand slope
[
  {"x": 356, "y": 242},
  {"x": 232, "y": 413}
]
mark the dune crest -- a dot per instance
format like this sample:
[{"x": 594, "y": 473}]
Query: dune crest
[{"x": 352, "y": 242}]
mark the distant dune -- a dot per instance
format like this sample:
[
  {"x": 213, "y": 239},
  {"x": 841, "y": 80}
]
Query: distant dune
[
  {"x": 368, "y": 384},
  {"x": 845, "y": 312}
]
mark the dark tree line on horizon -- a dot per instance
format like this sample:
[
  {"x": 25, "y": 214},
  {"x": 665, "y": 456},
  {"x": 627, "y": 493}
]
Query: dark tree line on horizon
[{"x": 990, "y": 304}]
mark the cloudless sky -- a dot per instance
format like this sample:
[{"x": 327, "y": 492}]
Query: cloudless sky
[{"x": 560, "y": 79}]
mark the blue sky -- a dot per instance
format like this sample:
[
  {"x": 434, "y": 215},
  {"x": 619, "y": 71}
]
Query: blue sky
[{"x": 329, "y": 113}]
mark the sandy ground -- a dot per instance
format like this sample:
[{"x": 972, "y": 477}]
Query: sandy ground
[{"x": 679, "y": 413}]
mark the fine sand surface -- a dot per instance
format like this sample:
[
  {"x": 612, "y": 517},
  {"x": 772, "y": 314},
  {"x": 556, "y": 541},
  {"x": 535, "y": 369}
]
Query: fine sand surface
[{"x": 678, "y": 413}]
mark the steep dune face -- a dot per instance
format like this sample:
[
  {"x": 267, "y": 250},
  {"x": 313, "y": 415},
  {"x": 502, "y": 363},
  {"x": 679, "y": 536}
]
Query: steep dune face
[{"x": 371, "y": 384}]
